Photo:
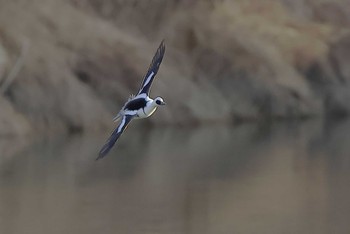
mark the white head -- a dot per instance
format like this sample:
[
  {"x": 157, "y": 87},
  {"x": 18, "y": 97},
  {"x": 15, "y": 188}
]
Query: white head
[{"x": 159, "y": 101}]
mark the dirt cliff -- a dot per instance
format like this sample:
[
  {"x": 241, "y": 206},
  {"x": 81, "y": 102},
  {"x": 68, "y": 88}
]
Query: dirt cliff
[{"x": 67, "y": 66}]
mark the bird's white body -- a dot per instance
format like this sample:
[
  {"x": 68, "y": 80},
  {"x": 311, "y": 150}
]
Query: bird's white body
[
  {"x": 147, "y": 111},
  {"x": 150, "y": 108}
]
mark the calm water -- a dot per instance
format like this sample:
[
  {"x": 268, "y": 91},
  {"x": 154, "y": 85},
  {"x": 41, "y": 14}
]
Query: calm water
[{"x": 283, "y": 178}]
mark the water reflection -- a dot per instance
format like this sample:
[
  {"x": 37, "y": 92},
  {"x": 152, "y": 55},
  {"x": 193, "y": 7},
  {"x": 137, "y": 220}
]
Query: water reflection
[{"x": 281, "y": 178}]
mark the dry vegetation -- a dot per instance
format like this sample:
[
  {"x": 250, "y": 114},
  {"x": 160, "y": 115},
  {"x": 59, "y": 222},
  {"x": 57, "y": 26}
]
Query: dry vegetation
[{"x": 225, "y": 60}]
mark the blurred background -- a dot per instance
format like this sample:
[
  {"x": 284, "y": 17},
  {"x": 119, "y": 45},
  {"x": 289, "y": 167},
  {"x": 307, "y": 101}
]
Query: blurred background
[{"x": 254, "y": 138}]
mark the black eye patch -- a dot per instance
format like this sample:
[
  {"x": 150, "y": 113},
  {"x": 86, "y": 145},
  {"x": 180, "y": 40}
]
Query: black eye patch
[{"x": 158, "y": 102}]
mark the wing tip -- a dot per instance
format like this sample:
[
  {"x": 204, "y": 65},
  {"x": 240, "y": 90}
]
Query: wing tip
[
  {"x": 162, "y": 46},
  {"x": 160, "y": 51},
  {"x": 162, "y": 43},
  {"x": 98, "y": 158},
  {"x": 105, "y": 150},
  {"x": 101, "y": 154}
]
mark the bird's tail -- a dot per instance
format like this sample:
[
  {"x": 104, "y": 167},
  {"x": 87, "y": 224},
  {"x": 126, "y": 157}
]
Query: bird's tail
[
  {"x": 117, "y": 117},
  {"x": 121, "y": 112}
]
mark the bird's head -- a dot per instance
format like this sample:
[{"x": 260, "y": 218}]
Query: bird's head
[{"x": 159, "y": 101}]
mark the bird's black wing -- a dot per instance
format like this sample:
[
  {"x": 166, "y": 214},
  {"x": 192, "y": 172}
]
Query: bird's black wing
[
  {"x": 115, "y": 135},
  {"x": 152, "y": 70}
]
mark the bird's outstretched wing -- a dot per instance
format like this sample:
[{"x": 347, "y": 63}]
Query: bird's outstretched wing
[
  {"x": 152, "y": 70},
  {"x": 115, "y": 135}
]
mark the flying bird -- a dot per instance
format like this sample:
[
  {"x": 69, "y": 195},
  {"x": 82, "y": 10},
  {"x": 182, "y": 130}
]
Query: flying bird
[{"x": 138, "y": 106}]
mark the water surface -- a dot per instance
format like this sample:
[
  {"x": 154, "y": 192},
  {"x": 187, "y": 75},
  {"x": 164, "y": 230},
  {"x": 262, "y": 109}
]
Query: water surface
[{"x": 280, "y": 178}]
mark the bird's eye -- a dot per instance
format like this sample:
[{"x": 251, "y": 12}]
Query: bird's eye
[{"x": 158, "y": 102}]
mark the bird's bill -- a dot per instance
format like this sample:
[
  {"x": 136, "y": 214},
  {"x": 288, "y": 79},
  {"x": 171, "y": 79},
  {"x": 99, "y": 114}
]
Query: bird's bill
[{"x": 163, "y": 103}]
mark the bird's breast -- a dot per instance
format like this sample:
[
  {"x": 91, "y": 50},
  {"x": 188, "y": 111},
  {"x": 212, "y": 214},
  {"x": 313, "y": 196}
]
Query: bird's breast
[{"x": 146, "y": 112}]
